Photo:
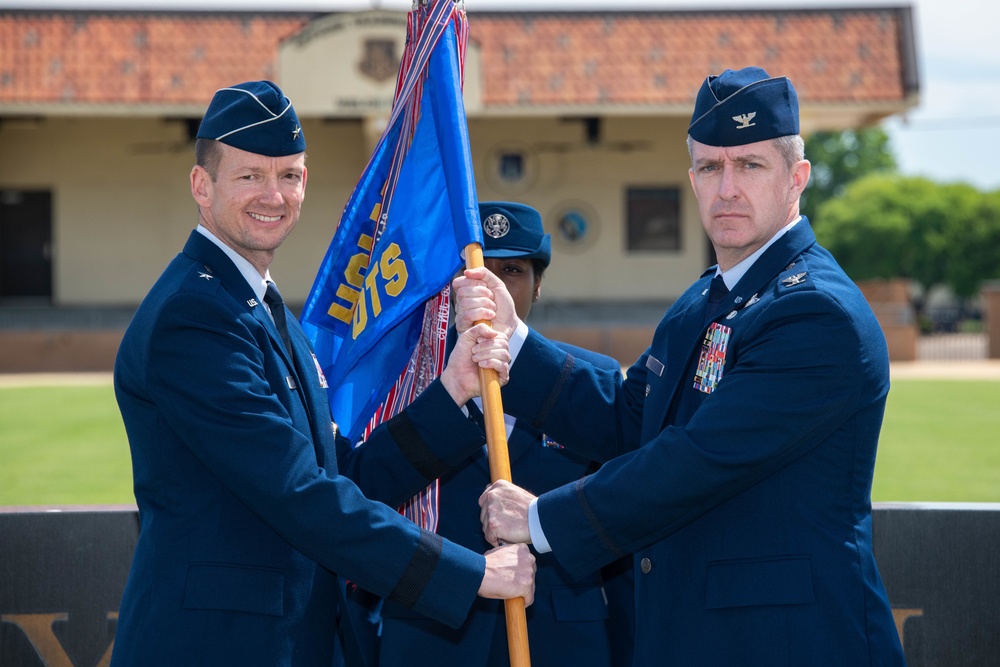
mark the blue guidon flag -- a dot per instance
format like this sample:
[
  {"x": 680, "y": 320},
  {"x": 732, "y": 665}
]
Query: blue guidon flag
[{"x": 377, "y": 313}]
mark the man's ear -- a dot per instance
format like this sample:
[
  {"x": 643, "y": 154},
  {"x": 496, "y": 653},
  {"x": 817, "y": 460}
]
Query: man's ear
[
  {"x": 201, "y": 186},
  {"x": 800, "y": 177}
]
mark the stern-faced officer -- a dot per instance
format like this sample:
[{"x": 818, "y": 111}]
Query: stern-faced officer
[{"x": 750, "y": 424}]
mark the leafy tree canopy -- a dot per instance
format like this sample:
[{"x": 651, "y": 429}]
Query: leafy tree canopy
[
  {"x": 838, "y": 158},
  {"x": 889, "y": 226}
]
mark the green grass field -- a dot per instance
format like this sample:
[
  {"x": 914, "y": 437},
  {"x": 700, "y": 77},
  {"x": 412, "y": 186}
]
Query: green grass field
[
  {"x": 940, "y": 442},
  {"x": 65, "y": 445}
]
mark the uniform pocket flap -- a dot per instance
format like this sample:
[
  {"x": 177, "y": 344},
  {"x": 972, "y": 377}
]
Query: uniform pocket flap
[
  {"x": 759, "y": 581},
  {"x": 579, "y": 603},
  {"x": 257, "y": 590}
]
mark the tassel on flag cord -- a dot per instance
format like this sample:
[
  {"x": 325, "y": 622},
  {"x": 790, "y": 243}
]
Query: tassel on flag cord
[{"x": 377, "y": 313}]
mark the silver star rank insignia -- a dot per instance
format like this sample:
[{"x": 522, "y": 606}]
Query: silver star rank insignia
[
  {"x": 295, "y": 132},
  {"x": 205, "y": 276},
  {"x": 797, "y": 279}
]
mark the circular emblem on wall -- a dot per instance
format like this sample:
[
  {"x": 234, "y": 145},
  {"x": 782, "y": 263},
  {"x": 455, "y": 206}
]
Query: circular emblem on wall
[
  {"x": 511, "y": 168},
  {"x": 573, "y": 225},
  {"x": 496, "y": 226}
]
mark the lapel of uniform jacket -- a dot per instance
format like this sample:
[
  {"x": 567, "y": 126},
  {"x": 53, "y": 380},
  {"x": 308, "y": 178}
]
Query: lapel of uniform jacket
[
  {"x": 314, "y": 392},
  {"x": 519, "y": 443},
  {"x": 678, "y": 339},
  {"x": 776, "y": 259},
  {"x": 203, "y": 251},
  {"x": 687, "y": 327},
  {"x": 522, "y": 439}
]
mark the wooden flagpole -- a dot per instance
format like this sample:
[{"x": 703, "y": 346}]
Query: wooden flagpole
[{"x": 496, "y": 446}]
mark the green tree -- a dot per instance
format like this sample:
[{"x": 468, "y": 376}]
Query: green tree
[
  {"x": 975, "y": 250},
  {"x": 839, "y": 158},
  {"x": 889, "y": 226},
  {"x": 868, "y": 227}
]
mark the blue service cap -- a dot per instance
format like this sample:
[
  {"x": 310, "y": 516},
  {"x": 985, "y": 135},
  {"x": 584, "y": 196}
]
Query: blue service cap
[
  {"x": 514, "y": 230},
  {"x": 255, "y": 117},
  {"x": 744, "y": 106}
]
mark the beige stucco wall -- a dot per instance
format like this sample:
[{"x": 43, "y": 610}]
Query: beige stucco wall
[
  {"x": 122, "y": 207},
  {"x": 598, "y": 177}
]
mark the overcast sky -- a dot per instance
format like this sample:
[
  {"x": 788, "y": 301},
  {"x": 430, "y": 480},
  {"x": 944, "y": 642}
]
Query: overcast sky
[{"x": 953, "y": 135}]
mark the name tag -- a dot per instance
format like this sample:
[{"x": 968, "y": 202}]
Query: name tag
[
  {"x": 290, "y": 381},
  {"x": 655, "y": 365}
]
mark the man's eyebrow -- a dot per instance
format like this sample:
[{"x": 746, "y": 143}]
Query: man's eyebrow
[{"x": 750, "y": 157}]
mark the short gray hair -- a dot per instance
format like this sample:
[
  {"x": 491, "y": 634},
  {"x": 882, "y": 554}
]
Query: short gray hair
[{"x": 792, "y": 148}]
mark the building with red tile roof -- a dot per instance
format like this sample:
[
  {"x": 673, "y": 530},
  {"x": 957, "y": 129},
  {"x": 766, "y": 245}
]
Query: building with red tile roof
[
  {"x": 582, "y": 115},
  {"x": 88, "y": 60}
]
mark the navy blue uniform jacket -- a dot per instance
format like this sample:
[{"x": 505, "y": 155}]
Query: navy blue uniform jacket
[
  {"x": 245, "y": 521},
  {"x": 747, "y": 508},
  {"x": 568, "y": 624}
]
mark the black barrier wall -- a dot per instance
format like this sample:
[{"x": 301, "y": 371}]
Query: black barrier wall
[
  {"x": 940, "y": 563},
  {"x": 62, "y": 573}
]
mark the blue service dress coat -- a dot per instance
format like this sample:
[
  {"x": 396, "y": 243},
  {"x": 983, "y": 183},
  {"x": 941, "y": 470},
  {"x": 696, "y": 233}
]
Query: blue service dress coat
[
  {"x": 743, "y": 487},
  {"x": 245, "y": 522},
  {"x": 572, "y": 622}
]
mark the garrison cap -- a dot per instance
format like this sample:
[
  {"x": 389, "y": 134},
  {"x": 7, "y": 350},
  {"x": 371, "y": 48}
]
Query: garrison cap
[
  {"x": 744, "y": 106},
  {"x": 514, "y": 230},
  {"x": 255, "y": 117}
]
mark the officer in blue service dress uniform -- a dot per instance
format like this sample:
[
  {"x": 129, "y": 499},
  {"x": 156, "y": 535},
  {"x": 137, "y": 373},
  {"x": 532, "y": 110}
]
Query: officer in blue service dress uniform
[
  {"x": 245, "y": 522},
  {"x": 747, "y": 431},
  {"x": 571, "y": 621}
]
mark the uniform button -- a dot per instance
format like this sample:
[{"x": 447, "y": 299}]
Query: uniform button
[{"x": 645, "y": 565}]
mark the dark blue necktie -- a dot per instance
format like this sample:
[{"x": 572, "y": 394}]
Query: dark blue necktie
[
  {"x": 272, "y": 297},
  {"x": 716, "y": 294}
]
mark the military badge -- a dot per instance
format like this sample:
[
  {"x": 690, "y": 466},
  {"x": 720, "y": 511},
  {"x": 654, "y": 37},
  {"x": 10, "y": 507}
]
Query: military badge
[
  {"x": 549, "y": 443},
  {"x": 712, "y": 360},
  {"x": 319, "y": 372},
  {"x": 744, "y": 120},
  {"x": 793, "y": 280},
  {"x": 496, "y": 226}
]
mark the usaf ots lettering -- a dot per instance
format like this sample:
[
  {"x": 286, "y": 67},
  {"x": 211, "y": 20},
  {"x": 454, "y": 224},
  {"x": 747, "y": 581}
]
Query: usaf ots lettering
[{"x": 363, "y": 293}]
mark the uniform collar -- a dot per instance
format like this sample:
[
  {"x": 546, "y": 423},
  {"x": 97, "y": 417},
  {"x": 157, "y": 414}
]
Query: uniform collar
[
  {"x": 257, "y": 283},
  {"x": 733, "y": 275}
]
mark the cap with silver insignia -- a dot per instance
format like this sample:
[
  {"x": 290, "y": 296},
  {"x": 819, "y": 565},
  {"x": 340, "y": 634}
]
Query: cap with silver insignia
[
  {"x": 255, "y": 117},
  {"x": 514, "y": 230},
  {"x": 744, "y": 106}
]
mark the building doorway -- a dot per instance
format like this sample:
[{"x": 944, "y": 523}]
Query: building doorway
[{"x": 25, "y": 245}]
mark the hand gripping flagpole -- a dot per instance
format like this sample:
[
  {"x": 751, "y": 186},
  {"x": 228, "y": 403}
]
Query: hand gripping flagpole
[{"x": 496, "y": 447}]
